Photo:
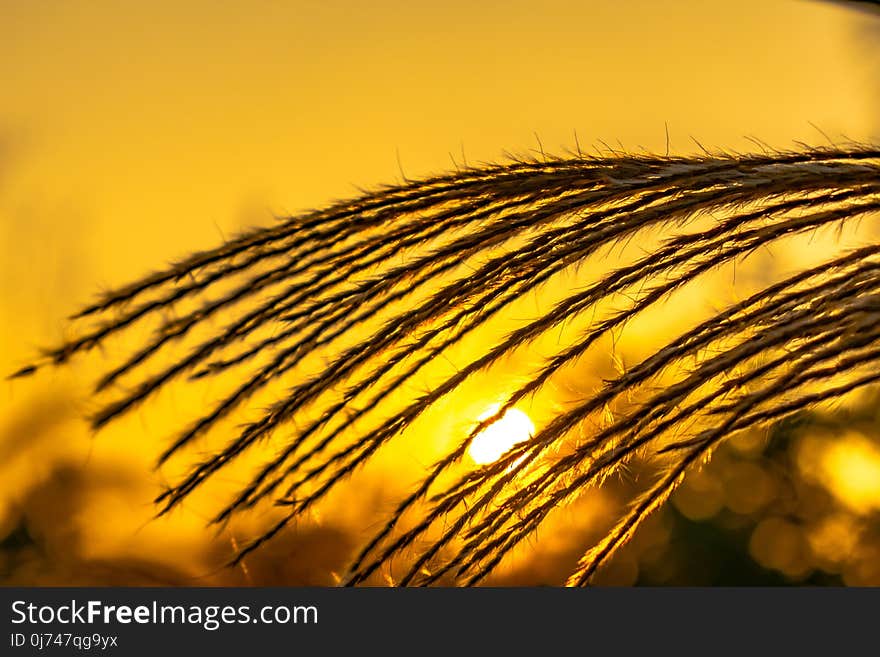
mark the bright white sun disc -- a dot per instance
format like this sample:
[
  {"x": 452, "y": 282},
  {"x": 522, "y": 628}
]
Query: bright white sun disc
[{"x": 492, "y": 442}]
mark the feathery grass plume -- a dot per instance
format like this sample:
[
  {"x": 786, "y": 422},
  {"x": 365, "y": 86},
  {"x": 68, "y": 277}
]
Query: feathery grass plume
[{"x": 382, "y": 286}]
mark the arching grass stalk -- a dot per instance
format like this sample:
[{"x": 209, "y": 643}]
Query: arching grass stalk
[{"x": 383, "y": 286}]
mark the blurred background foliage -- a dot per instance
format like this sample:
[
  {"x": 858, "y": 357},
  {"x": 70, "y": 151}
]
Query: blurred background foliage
[
  {"x": 134, "y": 133},
  {"x": 797, "y": 504}
]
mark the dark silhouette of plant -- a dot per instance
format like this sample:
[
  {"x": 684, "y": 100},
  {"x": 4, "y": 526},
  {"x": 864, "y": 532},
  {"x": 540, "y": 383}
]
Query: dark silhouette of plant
[{"x": 385, "y": 284}]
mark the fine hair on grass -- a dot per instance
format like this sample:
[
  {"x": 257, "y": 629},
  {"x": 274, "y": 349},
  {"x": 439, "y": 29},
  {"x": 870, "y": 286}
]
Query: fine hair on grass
[{"x": 382, "y": 286}]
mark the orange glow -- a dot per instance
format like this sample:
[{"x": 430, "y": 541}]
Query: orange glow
[
  {"x": 147, "y": 132},
  {"x": 853, "y": 470}
]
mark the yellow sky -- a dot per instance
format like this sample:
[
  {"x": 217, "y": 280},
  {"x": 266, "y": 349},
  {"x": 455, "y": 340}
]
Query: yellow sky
[
  {"x": 132, "y": 133},
  {"x": 156, "y": 126}
]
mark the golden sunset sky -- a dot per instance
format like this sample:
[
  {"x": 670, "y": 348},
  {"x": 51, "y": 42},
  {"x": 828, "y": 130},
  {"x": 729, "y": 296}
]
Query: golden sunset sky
[{"x": 132, "y": 133}]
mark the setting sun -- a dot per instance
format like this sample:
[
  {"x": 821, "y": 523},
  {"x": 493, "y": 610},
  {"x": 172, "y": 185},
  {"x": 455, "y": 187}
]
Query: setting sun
[{"x": 512, "y": 428}]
